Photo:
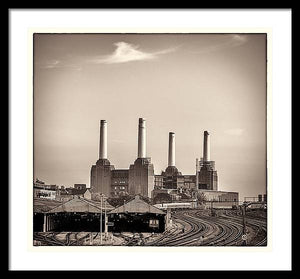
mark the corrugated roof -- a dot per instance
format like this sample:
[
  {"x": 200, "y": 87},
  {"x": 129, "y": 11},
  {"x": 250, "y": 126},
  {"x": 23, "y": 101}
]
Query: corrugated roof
[
  {"x": 137, "y": 205},
  {"x": 44, "y": 205},
  {"x": 79, "y": 205}
]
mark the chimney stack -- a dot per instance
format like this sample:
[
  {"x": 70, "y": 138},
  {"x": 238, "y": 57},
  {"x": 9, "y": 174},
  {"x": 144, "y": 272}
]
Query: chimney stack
[
  {"x": 171, "y": 159},
  {"x": 142, "y": 138},
  {"x": 206, "y": 147},
  {"x": 103, "y": 140}
]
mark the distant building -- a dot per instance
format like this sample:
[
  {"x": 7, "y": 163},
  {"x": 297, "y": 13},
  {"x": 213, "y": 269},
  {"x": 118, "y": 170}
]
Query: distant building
[
  {"x": 80, "y": 186},
  {"x": 220, "y": 196},
  {"x": 44, "y": 191},
  {"x": 66, "y": 194}
]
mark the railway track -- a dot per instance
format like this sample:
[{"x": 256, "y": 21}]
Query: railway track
[
  {"x": 200, "y": 229},
  {"x": 50, "y": 239},
  {"x": 230, "y": 231},
  {"x": 226, "y": 230},
  {"x": 171, "y": 233},
  {"x": 192, "y": 233},
  {"x": 256, "y": 223}
]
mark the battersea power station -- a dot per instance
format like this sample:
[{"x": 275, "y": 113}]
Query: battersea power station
[{"x": 140, "y": 179}]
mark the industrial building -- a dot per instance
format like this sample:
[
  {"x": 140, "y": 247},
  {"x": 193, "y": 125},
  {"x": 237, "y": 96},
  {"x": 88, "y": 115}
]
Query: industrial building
[
  {"x": 204, "y": 182},
  {"x": 77, "y": 214},
  {"x": 137, "y": 216},
  {"x": 206, "y": 176},
  {"x": 138, "y": 179},
  {"x": 45, "y": 191}
]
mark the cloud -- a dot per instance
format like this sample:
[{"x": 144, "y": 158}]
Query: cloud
[
  {"x": 55, "y": 64},
  {"x": 126, "y": 52},
  {"x": 238, "y": 39},
  {"x": 234, "y": 132},
  {"x": 123, "y": 53},
  {"x": 231, "y": 40},
  {"x": 51, "y": 64}
]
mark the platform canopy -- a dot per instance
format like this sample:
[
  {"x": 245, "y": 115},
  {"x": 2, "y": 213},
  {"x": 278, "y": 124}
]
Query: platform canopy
[
  {"x": 80, "y": 205},
  {"x": 137, "y": 205}
]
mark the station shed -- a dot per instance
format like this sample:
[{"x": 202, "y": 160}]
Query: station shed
[
  {"x": 137, "y": 216},
  {"x": 77, "y": 214}
]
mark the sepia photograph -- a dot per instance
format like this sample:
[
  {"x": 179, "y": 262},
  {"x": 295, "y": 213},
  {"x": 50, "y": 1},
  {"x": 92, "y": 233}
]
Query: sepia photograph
[{"x": 150, "y": 139}]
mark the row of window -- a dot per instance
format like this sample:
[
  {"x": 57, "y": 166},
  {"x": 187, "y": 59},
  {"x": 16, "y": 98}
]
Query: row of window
[
  {"x": 121, "y": 188},
  {"x": 120, "y": 182}
]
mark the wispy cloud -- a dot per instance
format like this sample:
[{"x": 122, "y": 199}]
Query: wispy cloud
[
  {"x": 51, "y": 64},
  {"x": 234, "y": 132},
  {"x": 55, "y": 64},
  {"x": 123, "y": 53},
  {"x": 126, "y": 52},
  {"x": 230, "y": 41}
]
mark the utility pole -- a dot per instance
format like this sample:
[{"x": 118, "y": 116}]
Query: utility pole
[
  {"x": 197, "y": 174},
  {"x": 101, "y": 199},
  {"x": 105, "y": 220},
  {"x": 244, "y": 237}
]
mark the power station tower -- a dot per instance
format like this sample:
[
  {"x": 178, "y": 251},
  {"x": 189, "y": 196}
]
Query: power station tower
[
  {"x": 207, "y": 177},
  {"x": 171, "y": 174},
  {"x": 101, "y": 172},
  {"x": 141, "y": 173}
]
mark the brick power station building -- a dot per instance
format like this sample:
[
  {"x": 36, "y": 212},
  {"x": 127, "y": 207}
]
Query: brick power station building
[{"x": 140, "y": 177}]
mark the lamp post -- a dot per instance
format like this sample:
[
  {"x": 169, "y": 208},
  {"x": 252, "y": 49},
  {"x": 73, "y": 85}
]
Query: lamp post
[
  {"x": 244, "y": 225},
  {"x": 101, "y": 220},
  {"x": 105, "y": 220}
]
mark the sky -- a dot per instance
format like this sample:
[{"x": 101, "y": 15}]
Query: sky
[{"x": 181, "y": 83}]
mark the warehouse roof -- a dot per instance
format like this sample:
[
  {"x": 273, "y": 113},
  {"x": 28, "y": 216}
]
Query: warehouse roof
[
  {"x": 44, "y": 205},
  {"x": 137, "y": 205},
  {"x": 80, "y": 205}
]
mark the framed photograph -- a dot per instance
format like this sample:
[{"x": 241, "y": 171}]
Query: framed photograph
[{"x": 151, "y": 141}]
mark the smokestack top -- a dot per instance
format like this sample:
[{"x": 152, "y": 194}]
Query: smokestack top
[
  {"x": 171, "y": 157},
  {"x": 142, "y": 122},
  {"x": 103, "y": 140},
  {"x": 206, "y": 147},
  {"x": 142, "y": 138}
]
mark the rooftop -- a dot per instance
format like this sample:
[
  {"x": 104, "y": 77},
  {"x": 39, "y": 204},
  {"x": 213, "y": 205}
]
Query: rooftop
[{"x": 137, "y": 205}]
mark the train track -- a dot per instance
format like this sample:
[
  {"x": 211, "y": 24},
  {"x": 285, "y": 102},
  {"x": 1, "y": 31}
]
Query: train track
[
  {"x": 200, "y": 229},
  {"x": 226, "y": 230},
  {"x": 255, "y": 222},
  {"x": 230, "y": 231},
  {"x": 170, "y": 233},
  {"x": 50, "y": 239},
  {"x": 192, "y": 233}
]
